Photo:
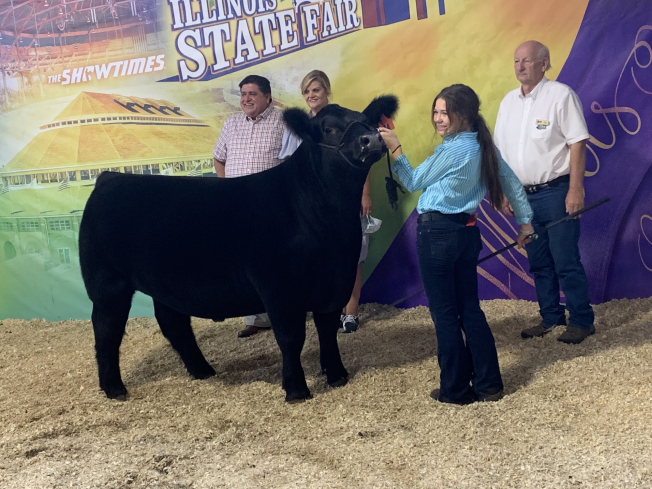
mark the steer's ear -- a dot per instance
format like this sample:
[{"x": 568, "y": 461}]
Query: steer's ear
[
  {"x": 298, "y": 122},
  {"x": 386, "y": 105}
]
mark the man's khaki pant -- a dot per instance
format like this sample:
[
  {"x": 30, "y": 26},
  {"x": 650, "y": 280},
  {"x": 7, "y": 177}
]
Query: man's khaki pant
[{"x": 259, "y": 320}]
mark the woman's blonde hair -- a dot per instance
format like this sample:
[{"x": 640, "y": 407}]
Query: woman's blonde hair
[{"x": 318, "y": 76}]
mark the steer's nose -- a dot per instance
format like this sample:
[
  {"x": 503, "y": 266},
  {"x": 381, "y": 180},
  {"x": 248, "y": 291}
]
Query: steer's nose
[{"x": 371, "y": 141}]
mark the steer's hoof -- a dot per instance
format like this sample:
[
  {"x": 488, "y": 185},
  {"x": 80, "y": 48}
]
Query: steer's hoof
[
  {"x": 337, "y": 377},
  {"x": 338, "y": 382},
  {"x": 119, "y": 394},
  {"x": 202, "y": 373},
  {"x": 296, "y": 398}
]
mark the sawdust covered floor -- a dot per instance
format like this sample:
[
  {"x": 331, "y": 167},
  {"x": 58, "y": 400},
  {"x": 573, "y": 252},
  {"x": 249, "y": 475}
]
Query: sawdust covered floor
[{"x": 574, "y": 416}]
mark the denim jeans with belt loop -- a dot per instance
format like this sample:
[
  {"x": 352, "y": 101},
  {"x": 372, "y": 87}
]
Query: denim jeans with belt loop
[
  {"x": 555, "y": 260},
  {"x": 448, "y": 255}
]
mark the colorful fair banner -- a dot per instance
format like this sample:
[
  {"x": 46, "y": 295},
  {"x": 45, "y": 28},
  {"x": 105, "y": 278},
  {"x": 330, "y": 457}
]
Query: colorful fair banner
[{"x": 144, "y": 86}]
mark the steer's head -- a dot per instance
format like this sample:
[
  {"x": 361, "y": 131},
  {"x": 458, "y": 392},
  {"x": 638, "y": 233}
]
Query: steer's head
[{"x": 351, "y": 135}]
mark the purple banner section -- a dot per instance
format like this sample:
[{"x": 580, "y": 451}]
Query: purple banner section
[
  {"x": 397, "y": 275},
  {"x": 384, "y": 12},
  {"x": 629, "y": 273},
  {"x": 610, "y": 68}
]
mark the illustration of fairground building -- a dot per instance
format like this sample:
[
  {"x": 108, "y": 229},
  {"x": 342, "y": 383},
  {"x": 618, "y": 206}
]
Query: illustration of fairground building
[{"x": 44, "y": 188}]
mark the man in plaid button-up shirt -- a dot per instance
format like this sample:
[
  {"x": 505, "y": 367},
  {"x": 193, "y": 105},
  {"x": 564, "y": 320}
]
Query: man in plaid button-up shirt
[{"x": 250, "y": 142}]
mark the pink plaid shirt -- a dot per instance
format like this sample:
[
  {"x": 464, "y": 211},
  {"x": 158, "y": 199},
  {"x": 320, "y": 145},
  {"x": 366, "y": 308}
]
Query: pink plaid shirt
[{"x": 250, "y": 146}]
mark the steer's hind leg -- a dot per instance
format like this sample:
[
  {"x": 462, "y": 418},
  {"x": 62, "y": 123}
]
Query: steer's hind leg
[
  {"x": 109, "y": 321},
  {"x": 329, "y": 352},
  {"x": 290, "y": 332},
  {"x": 176, "y": 328}
]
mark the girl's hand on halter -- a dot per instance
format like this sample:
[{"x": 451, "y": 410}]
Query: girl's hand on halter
[{"x": 391, "y": 141}]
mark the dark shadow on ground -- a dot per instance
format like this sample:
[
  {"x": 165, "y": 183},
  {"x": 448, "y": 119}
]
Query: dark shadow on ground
[
  {"x": 394, "y": 338},
  {"x": 240, "y": 361}
]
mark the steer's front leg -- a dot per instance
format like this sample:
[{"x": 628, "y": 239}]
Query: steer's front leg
[
  {"x": 329, "y": 353},
  {"x": 290, "y": 332}
]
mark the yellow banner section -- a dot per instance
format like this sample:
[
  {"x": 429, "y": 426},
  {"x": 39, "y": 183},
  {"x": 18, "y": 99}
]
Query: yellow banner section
[{"x": 144, "y": 87}]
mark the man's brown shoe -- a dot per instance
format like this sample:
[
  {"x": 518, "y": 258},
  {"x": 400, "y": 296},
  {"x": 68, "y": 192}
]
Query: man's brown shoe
[
  {"x": 574, "y": 335},
  {"x": 493, "y": 397},
  {"x": 436, "y": 395},
  {"x": 250, "y": 331},
  {"x": 536, "y": 331}
]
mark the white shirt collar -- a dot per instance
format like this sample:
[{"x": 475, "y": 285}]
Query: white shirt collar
[{"x": 534, "y": 92}]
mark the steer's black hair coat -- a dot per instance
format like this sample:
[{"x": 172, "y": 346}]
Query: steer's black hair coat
[
  {"x": 285, "y": 241},
  {"x": 298, "y": 122}
]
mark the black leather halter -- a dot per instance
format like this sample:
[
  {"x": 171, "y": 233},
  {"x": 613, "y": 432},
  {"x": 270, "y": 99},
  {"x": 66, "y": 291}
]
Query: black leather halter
[{"x": 339, "y": 147}]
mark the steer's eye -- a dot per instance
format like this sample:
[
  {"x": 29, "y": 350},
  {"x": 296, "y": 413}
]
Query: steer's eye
[{"x": 328, "y": 130}]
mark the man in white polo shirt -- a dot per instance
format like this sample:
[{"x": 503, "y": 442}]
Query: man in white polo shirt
[
  {"x": 541, "y": 133},
  {"x": 250, "y": 142}
]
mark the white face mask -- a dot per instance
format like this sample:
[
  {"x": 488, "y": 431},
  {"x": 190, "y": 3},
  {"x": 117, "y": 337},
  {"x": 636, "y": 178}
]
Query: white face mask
[{"x": 370, "y": 224}]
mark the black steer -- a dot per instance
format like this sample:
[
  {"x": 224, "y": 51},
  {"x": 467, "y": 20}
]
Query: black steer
[{"x": 285, "y": 241}]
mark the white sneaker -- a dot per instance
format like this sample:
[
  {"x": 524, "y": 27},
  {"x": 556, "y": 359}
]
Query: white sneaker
[{"x": 350, "y": 323}]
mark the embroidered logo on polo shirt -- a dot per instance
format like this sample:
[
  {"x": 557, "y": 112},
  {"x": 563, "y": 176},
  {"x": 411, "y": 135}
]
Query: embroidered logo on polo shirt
[{"x": 542, "y": 123}]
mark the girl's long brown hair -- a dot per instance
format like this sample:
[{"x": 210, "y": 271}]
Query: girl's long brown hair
[{"x": 463, "y": 104}]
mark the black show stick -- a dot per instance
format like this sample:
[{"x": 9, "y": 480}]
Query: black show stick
[{"x": 552, "y": 224}]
